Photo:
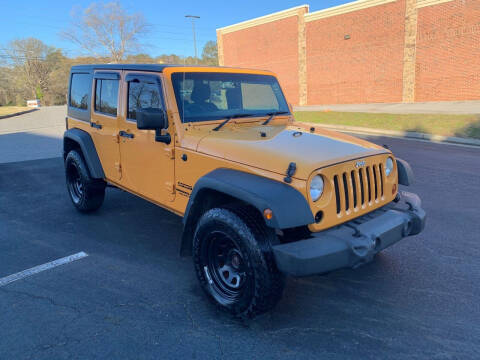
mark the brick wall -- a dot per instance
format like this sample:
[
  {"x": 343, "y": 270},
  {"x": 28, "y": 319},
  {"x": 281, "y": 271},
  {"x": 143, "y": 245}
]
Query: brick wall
[
  {"x": 397, "y": 50},
  {"x": 271, "y": 46},
  {"x": 368, "y": 67},
  {"x": 448, "y": 52}
]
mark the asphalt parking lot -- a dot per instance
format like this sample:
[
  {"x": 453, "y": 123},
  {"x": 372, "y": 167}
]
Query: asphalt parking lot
[{"x": 134, "y": 297}]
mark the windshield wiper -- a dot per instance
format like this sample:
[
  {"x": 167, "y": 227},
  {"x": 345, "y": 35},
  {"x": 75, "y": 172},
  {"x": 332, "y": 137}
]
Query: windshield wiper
[
  {"x": 228, "y": 118},
  {"x": 272, "y": 116}
]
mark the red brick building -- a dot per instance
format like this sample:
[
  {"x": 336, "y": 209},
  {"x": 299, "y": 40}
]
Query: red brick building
[{"x": 366, "y": 51}]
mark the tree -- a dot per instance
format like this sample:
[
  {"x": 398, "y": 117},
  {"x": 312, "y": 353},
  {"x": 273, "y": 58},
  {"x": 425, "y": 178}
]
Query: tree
[
  {"x": 139, "y": 59},
  {"x": 107, "y": 30},
  {"x": 210, "y": 53},
  {"x": 32, "y": 63},
  {"x": 29, "y": 68},
  {"x": 169, "y": 59},
  {"x": 7, "y": 87}
]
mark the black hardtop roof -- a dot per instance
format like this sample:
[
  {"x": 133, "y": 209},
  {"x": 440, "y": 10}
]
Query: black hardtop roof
[{"x": 139, "y": 67}]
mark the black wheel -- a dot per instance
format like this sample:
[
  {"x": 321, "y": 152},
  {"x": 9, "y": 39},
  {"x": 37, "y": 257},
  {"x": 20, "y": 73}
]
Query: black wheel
[
  {"x": 87, "y": 194},
  {"x": 234, "y": 262}
]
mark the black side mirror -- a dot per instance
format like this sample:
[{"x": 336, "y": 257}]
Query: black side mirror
[
  {"x": 154, "y": 119},
  {"x": 151, "y": 119}
]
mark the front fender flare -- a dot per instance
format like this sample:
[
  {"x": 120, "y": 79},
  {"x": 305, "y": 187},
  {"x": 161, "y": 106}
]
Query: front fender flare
[
  {"x": 290, "y": 208},
  {"x": 405, "y": 173}
]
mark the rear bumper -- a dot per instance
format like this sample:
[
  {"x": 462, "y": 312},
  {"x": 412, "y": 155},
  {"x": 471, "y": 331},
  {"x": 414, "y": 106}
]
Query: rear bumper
[{"x": 353, "y": 243}]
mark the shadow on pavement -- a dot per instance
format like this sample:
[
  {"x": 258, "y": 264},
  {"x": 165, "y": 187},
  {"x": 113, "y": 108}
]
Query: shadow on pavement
[{"x": 36, "y": 145}]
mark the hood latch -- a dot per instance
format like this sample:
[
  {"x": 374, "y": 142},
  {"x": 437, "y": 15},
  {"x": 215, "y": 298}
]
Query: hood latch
[{"x": 292, "y": 168}]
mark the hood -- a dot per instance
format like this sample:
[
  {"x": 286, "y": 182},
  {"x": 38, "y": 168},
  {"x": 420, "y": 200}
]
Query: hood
[{"x": 273, "y": 148}]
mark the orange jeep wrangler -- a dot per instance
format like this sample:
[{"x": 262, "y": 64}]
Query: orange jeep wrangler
[{"x": 261, "y": 195}]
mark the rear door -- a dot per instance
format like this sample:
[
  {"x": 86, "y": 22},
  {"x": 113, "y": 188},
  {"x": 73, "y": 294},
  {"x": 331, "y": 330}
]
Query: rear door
[
  {"x": 104, "y": 121},
  {"x": 147, "y": 165}
]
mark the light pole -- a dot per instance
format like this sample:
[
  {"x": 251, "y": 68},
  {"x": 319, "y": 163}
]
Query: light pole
[{"x": 193, "y": 18}]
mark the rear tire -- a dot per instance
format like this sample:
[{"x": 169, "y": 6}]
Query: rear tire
[
  {"x": 234, "y": 261},
  {"x": 87, "y": 194}
]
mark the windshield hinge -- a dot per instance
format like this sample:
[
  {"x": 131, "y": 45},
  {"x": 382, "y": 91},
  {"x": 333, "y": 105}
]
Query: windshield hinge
[
  {"x": 170, "y": 186},
  {"x": 118, "y": 167},
  {"x": 170, "y": 152}
]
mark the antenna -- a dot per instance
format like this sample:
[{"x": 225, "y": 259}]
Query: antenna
[{"x": 183, "y": 90}]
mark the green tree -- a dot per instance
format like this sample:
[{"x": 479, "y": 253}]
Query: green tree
[{"x": 210, "y": 53}]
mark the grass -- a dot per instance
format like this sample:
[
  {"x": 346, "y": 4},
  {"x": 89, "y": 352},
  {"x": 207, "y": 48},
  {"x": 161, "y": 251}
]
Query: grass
[
  {"x": 466, "y": 126},
  {"x": 11, "y": 110}
]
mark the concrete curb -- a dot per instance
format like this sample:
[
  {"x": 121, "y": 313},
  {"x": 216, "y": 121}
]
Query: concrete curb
[
  {"x": 19, "y": 113},
  {"x": 403, "y": 134},
  {"x": 468, "y": 107},
  {"x": 33, "y": 130}
]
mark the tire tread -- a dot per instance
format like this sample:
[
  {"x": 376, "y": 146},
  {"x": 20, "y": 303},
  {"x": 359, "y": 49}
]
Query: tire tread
[{"x": 269, "y": 281}]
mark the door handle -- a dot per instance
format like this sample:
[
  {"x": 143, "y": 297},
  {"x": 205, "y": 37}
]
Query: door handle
[
  {"x": 126, "y": 134},
  {"x": 95, "y": 125}
]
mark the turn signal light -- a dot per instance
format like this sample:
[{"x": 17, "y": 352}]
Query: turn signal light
[
  {"x": 394, "y": 189},
  {"x": 268, "y": 214}
]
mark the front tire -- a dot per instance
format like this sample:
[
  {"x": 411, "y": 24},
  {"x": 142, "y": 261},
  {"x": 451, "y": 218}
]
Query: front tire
[
  {"x": 234, "y": 262},
  {"x": 87, "y": 194}
]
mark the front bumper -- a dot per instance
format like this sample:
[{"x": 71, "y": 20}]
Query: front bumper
[{"x": 353, "y": 243}]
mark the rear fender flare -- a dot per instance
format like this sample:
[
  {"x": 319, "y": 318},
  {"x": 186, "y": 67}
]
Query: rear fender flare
[{"x": 89, "y": 152}]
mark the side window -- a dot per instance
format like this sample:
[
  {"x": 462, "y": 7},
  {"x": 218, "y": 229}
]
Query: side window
[
  {"x": 143, "y": 95},
  {"x": 106, "y": 96},
  {"x": 79, "y": 89}
]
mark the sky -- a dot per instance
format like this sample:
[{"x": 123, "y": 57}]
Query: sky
[{"x": 170, "y": 31}]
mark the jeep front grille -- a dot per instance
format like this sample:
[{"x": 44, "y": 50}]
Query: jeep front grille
[{"x": 359, "y": 188}]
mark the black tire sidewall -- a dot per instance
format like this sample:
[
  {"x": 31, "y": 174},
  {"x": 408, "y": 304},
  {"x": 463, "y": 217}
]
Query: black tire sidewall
[
  {"x": 93, "y": 190},
  {"x": 257, "y": 270}
]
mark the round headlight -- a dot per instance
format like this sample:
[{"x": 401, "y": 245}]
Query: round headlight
[
  {"x": 316, "y": 187},
  {"x": 389, "y": 166}
]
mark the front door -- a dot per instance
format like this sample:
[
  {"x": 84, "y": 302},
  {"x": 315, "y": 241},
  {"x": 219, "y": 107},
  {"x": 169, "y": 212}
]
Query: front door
[
  {"x": 105, "y": 105},
  {"x": 147, "y": 165}
]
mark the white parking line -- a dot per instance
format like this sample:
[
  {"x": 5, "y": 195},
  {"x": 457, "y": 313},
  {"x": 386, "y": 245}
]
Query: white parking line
[{"x": 36, "y": 269}]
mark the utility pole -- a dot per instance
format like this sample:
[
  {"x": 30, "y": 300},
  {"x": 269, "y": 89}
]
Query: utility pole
[{"x": 193, "y": 18}]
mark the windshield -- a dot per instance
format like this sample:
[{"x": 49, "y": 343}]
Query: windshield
[{"x": 214, "y": 96}]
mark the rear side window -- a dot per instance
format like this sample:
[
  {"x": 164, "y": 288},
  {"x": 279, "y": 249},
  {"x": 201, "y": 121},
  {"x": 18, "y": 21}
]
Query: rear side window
[
  {"x": 143, "y": 95},
  {"x": 79, "y": 90},
  {"x": 106, "y": 96}
]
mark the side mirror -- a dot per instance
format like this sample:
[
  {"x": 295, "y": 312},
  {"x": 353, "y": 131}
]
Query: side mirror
[
  {"x": 151, "y": 119},
  {"x": 154, "y": 119}
]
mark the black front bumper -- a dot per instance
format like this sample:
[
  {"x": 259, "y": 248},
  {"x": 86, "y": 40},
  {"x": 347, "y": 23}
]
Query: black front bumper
[{"x": 353, "y": 243}]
